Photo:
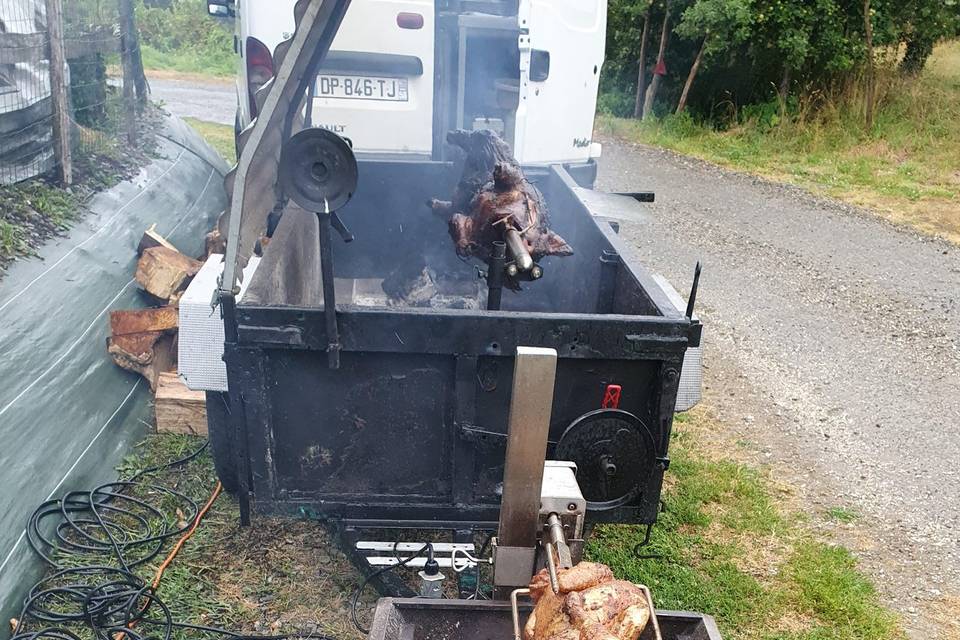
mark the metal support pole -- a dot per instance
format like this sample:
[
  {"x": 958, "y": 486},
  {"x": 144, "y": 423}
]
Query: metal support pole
[
  {"x": 495, "y": 268},
  {"x": 238, "y": 419},
  {"x": 329, "y": 293},
  {"x": 558, "y": 540},
  {"x": 531, "y": 406}
]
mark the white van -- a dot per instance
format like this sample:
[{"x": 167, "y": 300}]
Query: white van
[{"x": 401, "y": 73}]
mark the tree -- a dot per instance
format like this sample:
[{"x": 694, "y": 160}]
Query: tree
[
  {"x": 871, "y": 87},
  {"x": 921, "y": 24},
  {"x": 719, "y": 25},
  {"x": 641, "y": 79},
  {"x": 744, "y": 52},
  {"x": 660, "y": 69}
]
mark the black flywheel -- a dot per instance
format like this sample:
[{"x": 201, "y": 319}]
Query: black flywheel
[
  {"x": 318, "y": 170},
  {"x": 614, "y": 453}
]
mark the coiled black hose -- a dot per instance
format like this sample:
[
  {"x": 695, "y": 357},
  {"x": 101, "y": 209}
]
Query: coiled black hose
[{"x": 127, "y": 523}]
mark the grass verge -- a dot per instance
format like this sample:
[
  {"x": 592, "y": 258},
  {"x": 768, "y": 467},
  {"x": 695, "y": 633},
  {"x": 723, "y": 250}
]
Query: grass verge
[
  {"x": 726, "y": 545},
  {"x": 219, "y": 136},
  {"x": 216, "y": 64},
  {"x": 907, "y": 168}
]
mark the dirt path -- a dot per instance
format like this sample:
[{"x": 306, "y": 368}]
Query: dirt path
[
  {"x": 203, "y": 98},
  {"x": 833, "y": 355}
]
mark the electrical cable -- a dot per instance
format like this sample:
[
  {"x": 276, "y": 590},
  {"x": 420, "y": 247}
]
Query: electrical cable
[
  {"x": 179, "y": 545},
  {"x": 127, "y": 523},
  {"x": 483, "y": 549},
  {"x": 469, "y": 562},
  {"x": 375, "y": 574}
]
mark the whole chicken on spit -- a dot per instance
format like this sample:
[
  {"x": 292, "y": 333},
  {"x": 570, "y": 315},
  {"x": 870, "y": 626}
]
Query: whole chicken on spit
[{"x": 591, "y": 605}]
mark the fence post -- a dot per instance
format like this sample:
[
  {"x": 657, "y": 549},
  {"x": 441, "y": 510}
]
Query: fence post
[
  {"x": 131, "y": 45},
  {"x": 127, "y": 27},
  {"x": 58, "y": 92}
]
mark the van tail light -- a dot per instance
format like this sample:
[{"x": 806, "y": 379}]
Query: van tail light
[
  {"x": 409, "y": 20},
  {"x": 259, "y": 70}
]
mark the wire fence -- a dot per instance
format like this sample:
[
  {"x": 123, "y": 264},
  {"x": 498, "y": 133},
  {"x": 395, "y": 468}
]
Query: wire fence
[{"x": 98, "y": 114}]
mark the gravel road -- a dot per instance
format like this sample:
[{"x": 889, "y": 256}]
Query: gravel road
[
  {"x": 832, "y": 346},
  {"x": 209, "y": 100}
]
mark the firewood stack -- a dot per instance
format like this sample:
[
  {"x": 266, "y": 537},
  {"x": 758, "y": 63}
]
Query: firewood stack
[{"x": 145, "y": 340}]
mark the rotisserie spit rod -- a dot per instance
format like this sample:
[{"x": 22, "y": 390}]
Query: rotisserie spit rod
[{"x": 518, "y": 250}]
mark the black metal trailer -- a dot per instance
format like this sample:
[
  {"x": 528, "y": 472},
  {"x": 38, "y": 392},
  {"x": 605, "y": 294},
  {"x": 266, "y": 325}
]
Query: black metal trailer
[{"x": 410, "y": 430}]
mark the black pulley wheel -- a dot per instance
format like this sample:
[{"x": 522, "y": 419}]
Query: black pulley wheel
[
  {"x": 615, "y": 454},
  {"x": 318, "y": 170}
]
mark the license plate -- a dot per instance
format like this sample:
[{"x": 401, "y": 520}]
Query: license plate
[{"x": 363, "y": 88}]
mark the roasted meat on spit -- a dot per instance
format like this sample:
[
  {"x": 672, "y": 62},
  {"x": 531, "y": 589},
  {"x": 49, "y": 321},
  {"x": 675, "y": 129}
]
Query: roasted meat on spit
[
  {"x": 591, "y": 605},
  {"x": 493, "y": 201}
]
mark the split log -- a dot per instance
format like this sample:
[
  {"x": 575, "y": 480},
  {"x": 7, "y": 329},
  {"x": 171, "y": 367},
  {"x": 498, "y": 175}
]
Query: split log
[
  {"x": 215, "y": 241},
  {"x": 135, "y": 321},
  {"x": 144, "y": 341},
  {"x": 152, "y": 238},
  {"x": 163, "y": 272},
  {"x": 179, "y": 409}
]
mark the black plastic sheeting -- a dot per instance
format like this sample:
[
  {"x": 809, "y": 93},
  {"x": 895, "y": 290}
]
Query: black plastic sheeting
[{"x": 68, "y": 415}]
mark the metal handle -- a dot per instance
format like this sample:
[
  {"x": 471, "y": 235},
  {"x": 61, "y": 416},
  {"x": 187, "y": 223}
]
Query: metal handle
[
  {"x": 515, "y": 610},
  {"x": 653, "y": 612}
]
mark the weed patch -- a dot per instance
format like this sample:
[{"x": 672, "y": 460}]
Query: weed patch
[
  {"x": 35, "y": 210},
  {"x": 219, "y": 136},
  {"x": 905, "y": 168}
]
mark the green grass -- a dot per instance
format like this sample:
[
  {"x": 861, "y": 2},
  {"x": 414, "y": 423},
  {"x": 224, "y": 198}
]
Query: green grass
[
  {"x": 216, "y": 63},
  {"x": 11, "y": 239},
  {"x": 842, "y": 514},
  {"x": 824, "y": 581},
  {"x": 723, "y": 545},
  {"x": 219, "y": 136},
  {"x": 30, "y": 211},
  {"x": 189, "y": 584},
  {"x": 907, "y": 168}
]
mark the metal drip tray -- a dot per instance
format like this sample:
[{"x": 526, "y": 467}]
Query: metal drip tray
[{"x": 421, "y": 619}]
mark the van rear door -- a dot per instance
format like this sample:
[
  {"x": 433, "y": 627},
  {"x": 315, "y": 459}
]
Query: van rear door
[
  {"x": 561, "y": 54},
  {"x": 376, "y": 85}
]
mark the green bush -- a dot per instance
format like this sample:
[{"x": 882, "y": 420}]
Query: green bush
[
  {"x": 756, "y": 50},
  {"x": 185, "y": 38}
]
